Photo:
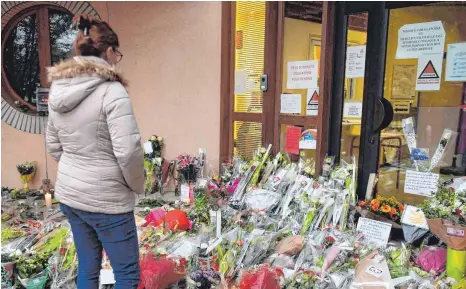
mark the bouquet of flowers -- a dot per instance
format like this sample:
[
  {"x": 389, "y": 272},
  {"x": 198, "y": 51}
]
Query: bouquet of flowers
[
  {"x": 188, "y": 167},
  {"x": 159, "y": 272},
  {"x": 388, "y": 208},
  {"x": 32, "y": 270},
  {"x": 153, "y": 163},
  {"x": 204, "y": 279},
  {"x": 447, "y": 204},
  {"x": 27, "y": 172},
  {"x": 264, "y": 277}
]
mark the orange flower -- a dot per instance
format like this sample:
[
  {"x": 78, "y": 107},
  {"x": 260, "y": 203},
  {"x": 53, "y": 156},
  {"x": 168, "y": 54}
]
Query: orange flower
[
  {"x": 362, "y": 203},
  {"x": 386, "y": 209},
  {"x": 401, "y": 208},
  {"x": 393, "y": 211},
  {"x": 375, "y": 204}
]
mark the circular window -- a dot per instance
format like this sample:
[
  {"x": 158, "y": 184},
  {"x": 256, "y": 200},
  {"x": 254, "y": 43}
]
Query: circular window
[
  {"x": 37, "y": 39},
  {"x": 35, "y": 35}
]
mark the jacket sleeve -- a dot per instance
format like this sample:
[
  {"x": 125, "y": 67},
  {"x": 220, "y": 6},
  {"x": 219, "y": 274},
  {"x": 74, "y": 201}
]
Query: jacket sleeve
[
  {"x": 125, "y": 136},
  {"x": 54, "y": 146}
]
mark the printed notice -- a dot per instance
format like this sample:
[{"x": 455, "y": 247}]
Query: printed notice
[
  {"x": 240, "y": 81},
  {"x": 421, "y": 183},
  {"x": 352, "y": 109},
  {"x": 420, "y": 38},
  {"x": 290, "y": 103},
  {"x": 456, "y": 62},
  {"x": 414, "y": 216},
  {"x": 355, "y": 61},
  {"x": 312, "y": 102},
  {"x": 302, "y": 74},
  {"x": 429, "y": 72},
  {"x": 375, "y": 231}
]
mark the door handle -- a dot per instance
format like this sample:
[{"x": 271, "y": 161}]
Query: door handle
[{"x": 383, "y": 115}]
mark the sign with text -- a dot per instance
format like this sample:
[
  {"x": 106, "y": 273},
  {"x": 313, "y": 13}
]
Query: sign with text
[
  {"x": 355, "y": 61},
  {"x": 421, "y": 183},
  {"x": 375, "y": 231},
  {"x": 417, "y": 39},
  {"x": 302, "y": 74},
  {"x": 290, "y": 103},
  {"x": 293, "y": 134},
  {"x": 308, "y": 139},
  {"x": 456, "y": 62},
  {"x": 414, "y": 216},
  {"x": 352, "y": 109},
  {"x": 312, "y": 101},
  {"x": 429, "y": 72}
]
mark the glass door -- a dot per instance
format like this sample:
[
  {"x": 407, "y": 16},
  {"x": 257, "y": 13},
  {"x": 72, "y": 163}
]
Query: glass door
[
  {"x": 410, "y": 128},
  {"x": 425, "y": 73}
]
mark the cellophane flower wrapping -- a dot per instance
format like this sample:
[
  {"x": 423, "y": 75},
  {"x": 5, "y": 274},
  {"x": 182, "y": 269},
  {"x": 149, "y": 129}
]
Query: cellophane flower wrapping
[
  {"x": 160, "y": 272},
  {"x": 264, "y": 277},
  {"x": 432, "y": 259}
]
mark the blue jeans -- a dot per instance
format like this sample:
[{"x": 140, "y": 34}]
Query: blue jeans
[{"x": 116, "y": 234}]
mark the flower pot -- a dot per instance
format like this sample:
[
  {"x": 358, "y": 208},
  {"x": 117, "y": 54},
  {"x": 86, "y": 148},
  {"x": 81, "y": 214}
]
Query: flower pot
[
  {"x": 8, "y": 276},
  {"x": 456, "y": 264}
]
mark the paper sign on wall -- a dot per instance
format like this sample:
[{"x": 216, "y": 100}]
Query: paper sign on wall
[
  {"x": 420, "y": 38},
  {"x": 375, "y": 231},
  {"x": 302, "y": 74},
  {"x": 456, "y": 62},
  {"x": 240, "y": 81},
  {"x": 352, "y": 109},
  {"x": 421, "y": 183},
  {"x": 308, "y": 139},
  {"x": 293, "y": 134},
  {"x": 355, "y": 61},
  {"x": 312, "y": 102},
  {"x": 290, "y": 103},
  {"x": 429, "y": 72}
]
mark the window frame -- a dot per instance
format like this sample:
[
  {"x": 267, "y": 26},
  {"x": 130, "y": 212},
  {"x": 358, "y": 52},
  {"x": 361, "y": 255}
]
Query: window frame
[{"x": 45, "y": 58}]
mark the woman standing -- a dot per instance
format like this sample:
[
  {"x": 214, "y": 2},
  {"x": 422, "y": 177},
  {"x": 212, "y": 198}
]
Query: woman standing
[{"x": 92, "y": 133}]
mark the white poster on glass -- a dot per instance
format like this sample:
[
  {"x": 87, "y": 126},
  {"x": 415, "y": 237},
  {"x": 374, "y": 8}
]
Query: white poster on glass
[
  {"x": 355, "y": 61},
  {"x": 302, "y": 74},
  {"x": 417, "y": 39},
  {"x": 456, "y": 62}
]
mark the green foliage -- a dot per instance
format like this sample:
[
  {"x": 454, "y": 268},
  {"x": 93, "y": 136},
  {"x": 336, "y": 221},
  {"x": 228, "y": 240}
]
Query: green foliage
[{"x": 28, "y": 266}]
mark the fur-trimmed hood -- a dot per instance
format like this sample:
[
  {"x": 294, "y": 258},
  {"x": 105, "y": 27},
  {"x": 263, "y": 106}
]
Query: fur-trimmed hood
[{"x": 75, "y": 79}]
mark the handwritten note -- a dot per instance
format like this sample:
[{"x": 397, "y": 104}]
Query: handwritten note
[
  {"x": 184, "y": 196},
  {"x": 456, "y": 62},
  {"x": 302, "y": 74},
  {"x": 421, "y": 183},
  {"x": 290, "y": 103},
  {"x": 375, "y": 231},
  {"x": 355, "y": 61},
  {"x": 293, "y": 134},
  {"x": 414, "y": 216}
]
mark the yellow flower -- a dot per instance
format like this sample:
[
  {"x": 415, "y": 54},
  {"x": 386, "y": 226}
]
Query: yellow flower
[{"x": 386, "y": 209}]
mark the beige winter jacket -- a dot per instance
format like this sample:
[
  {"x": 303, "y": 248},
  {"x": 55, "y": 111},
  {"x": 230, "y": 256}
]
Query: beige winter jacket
[{"x": 92, "y": 133}]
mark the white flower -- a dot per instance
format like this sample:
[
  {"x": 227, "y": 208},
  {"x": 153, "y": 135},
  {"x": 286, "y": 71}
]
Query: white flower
[{"x": 160, "y": 139}]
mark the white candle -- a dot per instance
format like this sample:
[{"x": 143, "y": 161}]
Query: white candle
[{"x": 48, "y": 200}]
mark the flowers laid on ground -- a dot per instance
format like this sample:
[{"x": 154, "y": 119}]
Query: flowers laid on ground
[
  {"x": 388, "y": 208},
  {"x": 446, "y": 204},
  {"x": 263, "y": 224}
]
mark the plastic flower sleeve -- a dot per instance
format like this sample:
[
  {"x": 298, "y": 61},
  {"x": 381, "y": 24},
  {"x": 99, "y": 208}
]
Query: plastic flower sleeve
[
  {"x": 160, "y": 273},
  {"x": 263, "y": 277},
  {"x": 372, "y": 272},
  {"x": 432, "y": 259},
  {"x": 261, "y": 200}
]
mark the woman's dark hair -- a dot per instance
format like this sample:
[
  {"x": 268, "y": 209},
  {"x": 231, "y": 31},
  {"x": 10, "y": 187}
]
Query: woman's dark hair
[{"x": 94, "y": 36}]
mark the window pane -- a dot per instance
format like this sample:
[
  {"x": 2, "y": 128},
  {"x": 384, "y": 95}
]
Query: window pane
[
  {"x": 61, "y": 35},
  {"x": 248, "y": 138},
  {"x": 249, "y": 56},
  {"x": 21, "y": 58}
]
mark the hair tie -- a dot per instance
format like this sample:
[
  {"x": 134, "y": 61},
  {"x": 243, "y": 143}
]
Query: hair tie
[{"x": 83, "y": 24}]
